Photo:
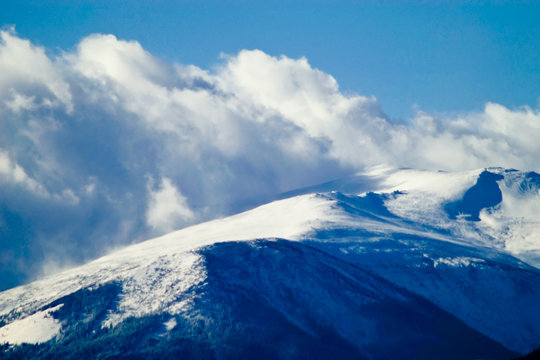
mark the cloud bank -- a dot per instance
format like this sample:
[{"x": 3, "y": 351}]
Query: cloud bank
[{"x": 105, "y": 145}]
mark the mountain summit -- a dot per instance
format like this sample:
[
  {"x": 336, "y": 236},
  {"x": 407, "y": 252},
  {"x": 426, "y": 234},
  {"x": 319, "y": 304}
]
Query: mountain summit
[{"x": 391, "y": 264}]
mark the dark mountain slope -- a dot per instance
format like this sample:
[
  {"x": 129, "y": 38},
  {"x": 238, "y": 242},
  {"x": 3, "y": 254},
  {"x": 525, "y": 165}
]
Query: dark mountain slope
[{"x": 270, "y": 299}]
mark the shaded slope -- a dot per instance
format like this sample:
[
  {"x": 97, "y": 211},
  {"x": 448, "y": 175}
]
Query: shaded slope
[
  {"x": 331, "y": 301},
  {"x": 484, "y": 194},
  {"x": 492, "y": 292},
  {"x": 276, "y": 299}
]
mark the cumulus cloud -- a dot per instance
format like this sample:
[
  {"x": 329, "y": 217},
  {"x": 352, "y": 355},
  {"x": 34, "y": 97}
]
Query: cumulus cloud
[{"x": 89, "y": 127}]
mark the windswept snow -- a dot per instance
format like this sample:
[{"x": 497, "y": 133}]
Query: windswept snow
[
  {"x": 424, "y": 193},
  {"x": 516, "y": 222},
  {"x": 33, "y": 329},
  {"x": 512, "y": 226},
  {"x": 159, "y": 287},
  {"x": 457, "y": 261}
]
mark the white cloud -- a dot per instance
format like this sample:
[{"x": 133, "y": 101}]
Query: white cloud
[
  {"x": 91, "y": 124},
  {"x": 28, "y": 68},
  {"x": 498, "y": 136},
  {"x": 167, "y": 208}
]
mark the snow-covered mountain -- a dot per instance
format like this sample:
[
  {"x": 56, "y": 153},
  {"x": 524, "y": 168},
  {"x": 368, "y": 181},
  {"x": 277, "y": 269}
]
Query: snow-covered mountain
[{"x": 389, "y": 264}]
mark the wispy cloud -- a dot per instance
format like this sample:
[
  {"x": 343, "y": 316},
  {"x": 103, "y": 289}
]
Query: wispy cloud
[{"x": 11, "y": 172}]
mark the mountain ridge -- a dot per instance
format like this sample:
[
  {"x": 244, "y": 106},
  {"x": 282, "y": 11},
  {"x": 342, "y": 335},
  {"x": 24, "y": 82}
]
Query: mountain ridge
[{"x": 455, "y": 257}]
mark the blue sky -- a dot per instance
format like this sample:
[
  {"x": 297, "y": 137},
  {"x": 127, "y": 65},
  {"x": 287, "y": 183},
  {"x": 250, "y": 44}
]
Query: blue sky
[
  {"x": 442, "y": 56},
  {"x": 122, "y": 120}
]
